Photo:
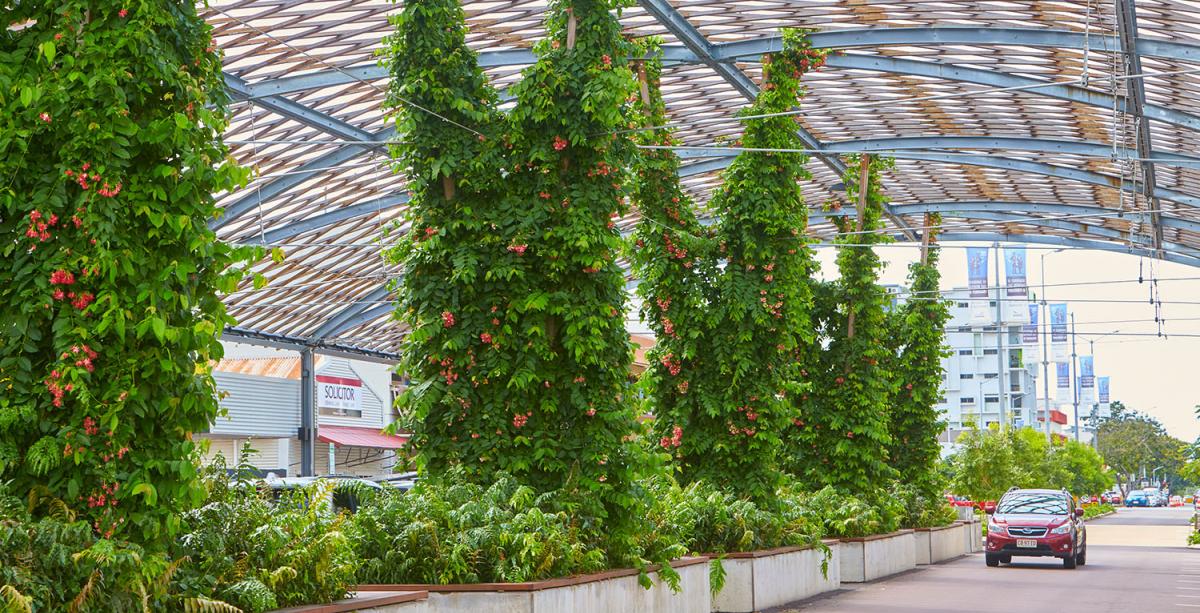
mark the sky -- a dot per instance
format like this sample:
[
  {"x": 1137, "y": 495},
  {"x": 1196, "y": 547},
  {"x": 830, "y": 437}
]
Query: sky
[{"x": 1149, "y": 374}]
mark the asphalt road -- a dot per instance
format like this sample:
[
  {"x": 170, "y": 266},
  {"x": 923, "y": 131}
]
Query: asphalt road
[{"x": 1137, "y": 561}]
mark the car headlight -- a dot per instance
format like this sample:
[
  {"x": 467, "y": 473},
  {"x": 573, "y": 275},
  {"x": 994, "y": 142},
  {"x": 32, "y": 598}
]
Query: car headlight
[
  {"x": 995, "y": 528},
  {"x": 1063, "y": 529}
]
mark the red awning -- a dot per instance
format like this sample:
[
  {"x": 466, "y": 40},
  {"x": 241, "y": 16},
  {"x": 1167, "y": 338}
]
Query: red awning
[{"x": 349, "y": 436}]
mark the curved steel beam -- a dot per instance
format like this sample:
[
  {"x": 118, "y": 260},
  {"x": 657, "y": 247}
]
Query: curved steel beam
[
  {"x": 992, "y": 78},
  {"x": 376, "y": 205},
  {"x": 1039, "y": 168},
  {"x": 1059, "y": 241},
  {"x": 257, "y": 195},
  {"x": 345, "y": 319},
  {"x": 964, "y": 209}
]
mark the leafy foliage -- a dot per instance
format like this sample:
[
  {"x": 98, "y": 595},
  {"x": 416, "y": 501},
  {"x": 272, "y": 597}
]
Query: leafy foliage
[
  {"x": 1095, "y": 510},
  {"x": 258, "y": 554},
  {"x": 513, "y": 294},
  {"x": 989, "y": 462},
  {"x": 110, "y": 156},
  {"x": 55, "y": 562},
  {"x": 918, "y": 328},
  {"x": 466, "y": 533},
  {"x": 922, "y": 509},
  {"x": 842, "y": 435},
  {"x": 1132, "y": 443},
  {"x": 727, "y": 361},
  {"x": 844, "y": 515},
  {"x": 707, "y": 520}
]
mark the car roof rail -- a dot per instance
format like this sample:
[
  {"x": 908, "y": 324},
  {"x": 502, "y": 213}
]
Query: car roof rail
[{"x": 1013, "y": 488}]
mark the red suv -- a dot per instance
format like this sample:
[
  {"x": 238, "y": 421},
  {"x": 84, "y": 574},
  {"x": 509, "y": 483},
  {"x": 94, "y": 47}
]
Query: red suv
[{"x": 1036, "y": 523}]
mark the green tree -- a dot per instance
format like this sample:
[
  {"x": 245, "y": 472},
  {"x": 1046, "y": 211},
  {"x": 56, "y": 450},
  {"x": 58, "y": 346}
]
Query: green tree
[
  {"x": 984, "y": 466},
  {"x": 110, "y": 155},
  {"x": 845, "y": 421},
  {"x": 1134, "y": 444},
  {"x": 918, "y": 328}
]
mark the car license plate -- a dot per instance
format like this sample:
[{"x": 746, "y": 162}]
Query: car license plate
[{"x": 1027, "y": 543}]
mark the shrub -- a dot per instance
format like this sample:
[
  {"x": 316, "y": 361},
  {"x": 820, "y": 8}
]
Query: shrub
[
  {"x": 843, "y": 515},
  {"x": 920, "y": 510},
  {"x": 707, "y": 519},
  {"x": 260, "y": 555},
  {"x": 55, "y": 562},
  {"x": 1094, "y": 510},
  {"x": 448, "y": 532}
]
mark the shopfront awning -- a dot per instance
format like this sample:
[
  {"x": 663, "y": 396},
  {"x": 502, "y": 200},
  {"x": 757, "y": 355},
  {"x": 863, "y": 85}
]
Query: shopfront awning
[{"x": 349, "y": 436}]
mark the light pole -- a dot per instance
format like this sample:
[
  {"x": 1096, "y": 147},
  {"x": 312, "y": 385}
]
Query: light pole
[
  {"x": 1075, "y": 375},
  {"x": 1046, "y": 345},
  {"x": 1095, "y": 405}
]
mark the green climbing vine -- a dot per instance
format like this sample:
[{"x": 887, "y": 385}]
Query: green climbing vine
[
  {"x": 727, "y": 362},
  {"x": 516, "y": 302},
  {"x": 920, "y": 335},
  {"x": 842, "y": 432},
  {"x": 110, "y": 155}
]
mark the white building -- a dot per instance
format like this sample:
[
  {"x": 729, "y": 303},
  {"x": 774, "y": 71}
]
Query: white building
[
  {"x": 983, "y": 355},
  {"x": 260, "y": 391}
]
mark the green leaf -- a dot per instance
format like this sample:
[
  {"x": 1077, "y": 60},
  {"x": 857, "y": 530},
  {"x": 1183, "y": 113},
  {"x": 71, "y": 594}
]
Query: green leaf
[
  {"x": 48, "y": 51},
  {"x": 159, "y": 326}
]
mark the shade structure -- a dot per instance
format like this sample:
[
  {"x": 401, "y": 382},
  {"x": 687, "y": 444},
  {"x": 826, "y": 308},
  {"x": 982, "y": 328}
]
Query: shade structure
[{"x": 1071, "y": 123}]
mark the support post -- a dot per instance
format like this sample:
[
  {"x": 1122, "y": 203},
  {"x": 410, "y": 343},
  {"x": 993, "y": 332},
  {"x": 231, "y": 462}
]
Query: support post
[
  {"x": 308, "y": 430},
  {"x": 1001, "y": 358},
  {"x": 1075, "y": 376}
]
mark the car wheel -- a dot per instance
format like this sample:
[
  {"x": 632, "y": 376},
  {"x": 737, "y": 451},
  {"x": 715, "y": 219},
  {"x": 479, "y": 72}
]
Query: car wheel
[
  {"x": 1006, "y": 559},
  {"x": 1069, "y": 562},
  {"x": 1081, "y": 559},
  {"x": 991, "y": 560}
]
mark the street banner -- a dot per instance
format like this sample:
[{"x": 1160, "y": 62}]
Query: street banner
[
  {"x": 1102, "y": 385},
  {"x": 339, "y": 394},
  {"x": 1029, "y": 332},
  {"x": 1087, "y": 380},
  {"x": 1058, "y": 332},
  {"x": 977, "y": 276},
  {"x": 977, "y": 282},
  {"x": 1063, "y": 370},
  {"x": 1014, "y": 272}
]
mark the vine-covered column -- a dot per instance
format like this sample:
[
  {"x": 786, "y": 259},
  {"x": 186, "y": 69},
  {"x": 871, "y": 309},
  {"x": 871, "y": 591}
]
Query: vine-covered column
[
  {"x": 730, "y": 436},
  {"x": 567, "y": 397},
  {"x": 915, "y": 419},
  {"x": 456, "y": 255},
  {"x": 674, "y": 260},
  {"x": 845, "y": 419},
  {"x": 111, "y": 118}
]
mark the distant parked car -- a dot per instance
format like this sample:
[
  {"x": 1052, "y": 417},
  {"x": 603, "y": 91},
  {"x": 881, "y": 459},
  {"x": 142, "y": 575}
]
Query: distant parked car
[
  {"x": 959, "y": 501},
  {"x": 1138, "y": 499}
]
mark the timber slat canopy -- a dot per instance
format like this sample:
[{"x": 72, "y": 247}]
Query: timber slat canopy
[{"x": 962, "y": 93}]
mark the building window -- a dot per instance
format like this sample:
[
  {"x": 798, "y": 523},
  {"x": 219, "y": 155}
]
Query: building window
[
  {"x": 978, "y": 343},
  {"x": 965, "y": 352},
  {"x": 964, "y": 328},
  {"x": 966, "y": 375},
  {"x": 1015, "y": 358},
  {"x": 990, "y": 375},
  {"x": 1014, "y": 335},
  {"x": 963, "y": 305},
  {"x": 989, "y": 352},
  {"x": 1018, "y": 402},
  {"x": 989, "y": 328}
]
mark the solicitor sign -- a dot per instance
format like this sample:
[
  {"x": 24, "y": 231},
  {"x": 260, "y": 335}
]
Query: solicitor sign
[{"x": 339, "y": 393}]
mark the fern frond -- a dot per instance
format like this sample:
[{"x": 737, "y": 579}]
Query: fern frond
[
  {"x": 207, "y": 605},
  {"x": 81, "y": 599},
  {"x": 13, "y": 601}
]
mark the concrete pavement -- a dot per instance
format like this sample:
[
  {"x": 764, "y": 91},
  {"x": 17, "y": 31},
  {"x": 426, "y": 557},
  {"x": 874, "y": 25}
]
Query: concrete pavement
[{"x": 1137, "y": 561}]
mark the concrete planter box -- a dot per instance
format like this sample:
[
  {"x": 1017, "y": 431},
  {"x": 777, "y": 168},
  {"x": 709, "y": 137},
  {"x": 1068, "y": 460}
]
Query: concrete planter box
[
  {"x": 973, "y": 535},
  {"x": 933, "y": 545},
  {"x": 874, "y": 557},
  {"x": 758, "y": 580},
  {"x": 615, "y": 591},
  {"x": 391, "y": 601}
]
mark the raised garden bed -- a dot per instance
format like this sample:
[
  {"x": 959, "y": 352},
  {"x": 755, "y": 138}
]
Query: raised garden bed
[
  {"x": 933, "y": 545},
  {"x": 389, "y": 601},
  {"x": 614, "y": 591},
  {"x": 759, "y": 580},
  {"x": 873, "y": 557}
]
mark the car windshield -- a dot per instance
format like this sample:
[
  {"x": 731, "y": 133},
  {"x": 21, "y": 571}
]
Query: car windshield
[{"x": 1034, "y": 504}]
